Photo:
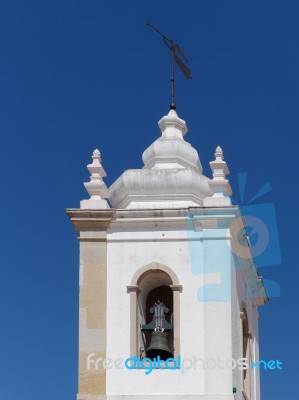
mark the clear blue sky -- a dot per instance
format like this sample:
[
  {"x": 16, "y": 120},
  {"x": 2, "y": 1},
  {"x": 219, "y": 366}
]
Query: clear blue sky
[{"x": 76, "y": 75}]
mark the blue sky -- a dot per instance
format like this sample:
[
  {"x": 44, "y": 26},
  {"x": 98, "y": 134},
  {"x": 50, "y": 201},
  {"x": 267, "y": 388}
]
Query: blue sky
[{"x": 76, "y": 75}]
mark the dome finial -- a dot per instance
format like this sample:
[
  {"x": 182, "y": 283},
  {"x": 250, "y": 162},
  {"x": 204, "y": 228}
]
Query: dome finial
[{"x": 172, "y": 126}]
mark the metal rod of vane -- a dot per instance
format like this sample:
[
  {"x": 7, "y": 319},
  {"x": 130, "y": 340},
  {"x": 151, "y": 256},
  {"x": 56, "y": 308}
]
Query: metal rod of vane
[{"x": 174, "y": 57}]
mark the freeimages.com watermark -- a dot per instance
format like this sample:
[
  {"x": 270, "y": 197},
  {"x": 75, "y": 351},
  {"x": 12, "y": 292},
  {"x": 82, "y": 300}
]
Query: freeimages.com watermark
[{"x": 179, "y": 363}]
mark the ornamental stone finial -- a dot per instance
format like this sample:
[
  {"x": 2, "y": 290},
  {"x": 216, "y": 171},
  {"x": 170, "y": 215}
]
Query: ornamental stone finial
[
  {"x": 219, "y": 185},
  {"x": 96, "y": 188},
  {"x": 219, "y": 152},
  {"x": 96, "y": 153},
  {"x": 172, "y": 126}
]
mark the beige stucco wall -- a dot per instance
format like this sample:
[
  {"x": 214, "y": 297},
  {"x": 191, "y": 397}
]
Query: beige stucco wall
[
  {"x": 91, "y": 226},
  {"x": 92, "y": 305}
]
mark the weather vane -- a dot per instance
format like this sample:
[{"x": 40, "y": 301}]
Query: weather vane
[{"x": 176, "y": 53}]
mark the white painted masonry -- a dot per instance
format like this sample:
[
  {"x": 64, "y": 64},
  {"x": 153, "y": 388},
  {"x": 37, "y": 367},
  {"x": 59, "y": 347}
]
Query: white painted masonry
[{"x": 166, "y": 217}]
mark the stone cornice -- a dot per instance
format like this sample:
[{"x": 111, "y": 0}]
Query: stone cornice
[
  {"x": 90, "y": 219},
  {"x": 177, "y": 213},
  {"x": 100, "y": 219}
]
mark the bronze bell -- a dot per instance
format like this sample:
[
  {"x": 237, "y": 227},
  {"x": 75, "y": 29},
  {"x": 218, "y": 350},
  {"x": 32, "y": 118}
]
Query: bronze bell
[{"x": 159, "y": 346}]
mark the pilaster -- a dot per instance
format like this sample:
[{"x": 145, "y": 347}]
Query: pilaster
[{"x": 92, "y": 227}]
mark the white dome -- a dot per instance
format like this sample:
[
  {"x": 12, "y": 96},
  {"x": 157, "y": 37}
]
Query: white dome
[
  {"x": 171, "y": 152},
  {"x": 159, "y": 188},
  {"x": 171, "y": 176}
]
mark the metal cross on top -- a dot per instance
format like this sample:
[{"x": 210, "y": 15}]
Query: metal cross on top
[{"x": 176, "y": 53}]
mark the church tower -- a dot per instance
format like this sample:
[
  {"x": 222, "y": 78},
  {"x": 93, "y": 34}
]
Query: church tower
[{"x": 169, "y": 292}]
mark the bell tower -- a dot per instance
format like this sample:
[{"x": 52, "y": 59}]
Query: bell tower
[{"x": 169, "y": 292}]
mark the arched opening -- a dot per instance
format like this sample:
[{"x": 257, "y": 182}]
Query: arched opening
[
  {"x": 159, "y": 299},
  {"x": 153, "y": 286}
]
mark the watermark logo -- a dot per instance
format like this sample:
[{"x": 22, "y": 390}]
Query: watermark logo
[
  {"x": 261, "y": 222},
  {"x": 219, "y": 239},
  {"x": 148, "y": 365},
  {"x": 180, "y": 363}
]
